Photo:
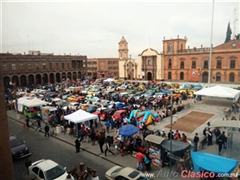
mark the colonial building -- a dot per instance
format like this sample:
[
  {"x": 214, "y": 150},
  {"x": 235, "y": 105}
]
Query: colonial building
[
  {"x": 151, "y": 64},
  {"x": 187, "y": 64},
  {"x": 103, "y": 67},
  {"x": 38, "y": 68}
]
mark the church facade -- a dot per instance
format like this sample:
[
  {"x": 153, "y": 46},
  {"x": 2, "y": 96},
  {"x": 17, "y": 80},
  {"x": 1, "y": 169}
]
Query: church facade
[{"x": 148, "y": 66}]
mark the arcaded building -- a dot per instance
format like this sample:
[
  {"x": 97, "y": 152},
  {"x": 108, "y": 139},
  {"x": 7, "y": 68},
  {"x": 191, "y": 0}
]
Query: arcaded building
[
  {"x": 40, "y": 68},
  {"x": 185, "y": 64}
]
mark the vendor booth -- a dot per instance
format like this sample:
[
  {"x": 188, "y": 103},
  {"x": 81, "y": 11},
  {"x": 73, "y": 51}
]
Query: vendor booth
[
  {"x": 161, "y": 152},
  {"x": 79, "y": 116},
  {"x": 213, "y": 163},
  {"x": 32, "y": 107},
  {"x": 155, "y": 149}
]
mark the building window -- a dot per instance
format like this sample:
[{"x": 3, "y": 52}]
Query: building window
[
  {"x": 50, "y": 65},
  {"x": 231, "y": 77},
  {"x": 21, "y": 67},
  {"x": 218, "y": 77},
  {"x": 149, "y": 63},
  {"x": 44, "y": 65},
  {"x": 181, "y": 76},
  {"x": 4, "y": 67},
  {"x": 205, "y": 64},
  {"x": 120, "y": 54},
  {"x": 193, "y": 64},
  {"x": 169, "y": 63},
  {"x": 29, "y": 67},
  {"x": 57, "y": 65},
  {"x": 37, "y": 67},
  {"x": 232, "y": 64},
  {"x": 62, "y": 65},
  {"x": 219, "y": 64},
  {"x": 182, "y": 65},
  {"x": 169, "y": 75},
  {"x": 14, "y": 67},
  {"x": 170, "y": 48}
]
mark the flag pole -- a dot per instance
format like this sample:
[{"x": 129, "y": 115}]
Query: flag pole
[{"x": 210, "y": 58}]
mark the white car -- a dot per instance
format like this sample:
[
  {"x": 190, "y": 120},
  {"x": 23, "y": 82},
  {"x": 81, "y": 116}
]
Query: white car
[
  {"x": 126, "y": 173},
  {"x": 48, "y": 170}
]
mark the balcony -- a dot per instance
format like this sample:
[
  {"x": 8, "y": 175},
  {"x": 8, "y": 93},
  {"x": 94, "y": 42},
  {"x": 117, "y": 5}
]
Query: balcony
[{"x": 194, "y": 50}]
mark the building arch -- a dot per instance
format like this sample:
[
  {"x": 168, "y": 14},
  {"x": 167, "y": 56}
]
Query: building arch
[
  {"x": 218, "y": 77},
  {"x": 30, "y": 80},
  {"x": 23, "y": 80},
  {"x": 169, "y": 75},
  {"x": 231, "y": 77},
  {"x": 51, "y": 78},
  {"x": 64, "y": 76},
  {"x": 58, "y": 77},
  {"x": 69, "y": 75},
  {"x": 181, "y": 75},
  {"x": 74, "y": 76},
  {"x": 6, "y": 81},
  {"x": 149, "y": 76},
  {"x": 38, "y": 79},
  {"x": 205, "y": 77},
  {"x": 45, "y": 78},
  {"x": 79, "y": 75},
  {"x": 15, "y": 80}
]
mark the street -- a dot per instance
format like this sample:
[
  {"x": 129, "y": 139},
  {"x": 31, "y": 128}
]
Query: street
[{"x": 51, "y": 148}]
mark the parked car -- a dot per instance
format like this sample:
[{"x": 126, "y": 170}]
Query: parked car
[
  {"x": 118, "y": 114},
  {"x": 48, "y": 170},
  {"x": 118, "y": 172},
  {"x": 105, "y": 112},
  {"x": 18, "y": 148},
  {"x": 91, "y": 109}
]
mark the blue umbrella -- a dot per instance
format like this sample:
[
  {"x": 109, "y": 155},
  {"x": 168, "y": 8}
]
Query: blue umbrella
[{"x": 128, "y": 130}]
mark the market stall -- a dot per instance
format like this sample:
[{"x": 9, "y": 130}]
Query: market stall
[
  {"x": 155, "y": 149},
  {"x": 222, "y": 165},
  {"x": 31, "y": 107}
]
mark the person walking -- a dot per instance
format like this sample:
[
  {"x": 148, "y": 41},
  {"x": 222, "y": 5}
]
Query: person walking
[
  {"x": 27, "y": 121},
  {"x": 107, "y": 142},
  {"x": 77, "y": 145},
  {"x": 46, "y": 129},
  {"x": 220, "y": 142},
  {"x": 217, "y": 133},
  {"x": 147, "y": 162},
  {"x": 93, "y": 136},
  {"x": 140, "y": 158},
  {"x": 195, "y": 142},
  {"x": 210, "y": 134},
  {"x": 107, "y": 124},
  {"x": 101, "y": 141}
]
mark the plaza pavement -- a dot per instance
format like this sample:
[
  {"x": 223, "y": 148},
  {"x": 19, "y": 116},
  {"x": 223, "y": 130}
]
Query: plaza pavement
[{"x": 129, "y": 161}]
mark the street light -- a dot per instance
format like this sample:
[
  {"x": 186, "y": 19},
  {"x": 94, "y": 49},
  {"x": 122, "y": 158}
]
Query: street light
[{"x": 210, "y": 58}]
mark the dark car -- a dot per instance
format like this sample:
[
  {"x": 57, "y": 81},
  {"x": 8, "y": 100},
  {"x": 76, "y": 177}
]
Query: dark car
[
  {"x": 92, "y": 109},
  {"x": 18, "y": 148}
]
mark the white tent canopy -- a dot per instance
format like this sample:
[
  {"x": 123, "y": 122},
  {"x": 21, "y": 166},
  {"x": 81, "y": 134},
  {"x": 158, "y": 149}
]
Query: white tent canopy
[
  {"x": 219, "y": 91},
  {"x": 80, "y": 116},
  {"x": 35, "y": 102},
  {"x": 109, "y": 80}
]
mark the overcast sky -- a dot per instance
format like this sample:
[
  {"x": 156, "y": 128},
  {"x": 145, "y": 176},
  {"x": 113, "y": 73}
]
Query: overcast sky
[{"x": 94, "y": 29}]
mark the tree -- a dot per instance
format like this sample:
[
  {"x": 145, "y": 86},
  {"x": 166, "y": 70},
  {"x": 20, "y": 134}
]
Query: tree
[
  {"x": 229, "y": 33},
  {"x": 238, "y": 36}
]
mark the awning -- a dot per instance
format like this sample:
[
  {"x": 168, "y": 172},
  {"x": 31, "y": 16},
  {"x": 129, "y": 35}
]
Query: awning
[
  {"x": 154, "y": 139},
  {"x": 229, "y": 123}
]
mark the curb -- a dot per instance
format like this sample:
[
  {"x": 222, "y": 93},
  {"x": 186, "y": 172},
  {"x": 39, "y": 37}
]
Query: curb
[{"x": 83, "y": 149}]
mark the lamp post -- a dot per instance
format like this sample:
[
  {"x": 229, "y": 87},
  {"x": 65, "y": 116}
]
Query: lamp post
[
  {"x": 210, "y": 58},
  {"x": 170, "y": 169}
]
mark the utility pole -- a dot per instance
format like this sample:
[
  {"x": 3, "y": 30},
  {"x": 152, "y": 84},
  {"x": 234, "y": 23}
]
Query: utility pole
[
  {"x": 6, "y": 165},
  {"x": 210, "y": 56}
]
